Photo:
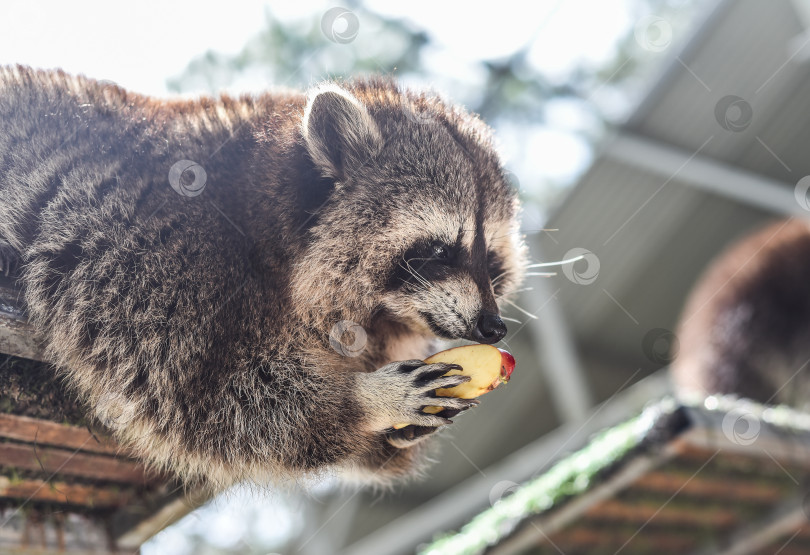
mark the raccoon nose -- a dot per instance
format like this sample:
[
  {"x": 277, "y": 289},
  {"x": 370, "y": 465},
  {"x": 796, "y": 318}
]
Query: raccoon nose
[{"x": 489, "y": 328}]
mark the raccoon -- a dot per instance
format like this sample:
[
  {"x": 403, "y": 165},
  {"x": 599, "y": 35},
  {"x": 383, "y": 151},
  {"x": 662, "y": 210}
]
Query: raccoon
[
  {"x": 746, "y": 327},
  {"x": 245, "y": 288}
]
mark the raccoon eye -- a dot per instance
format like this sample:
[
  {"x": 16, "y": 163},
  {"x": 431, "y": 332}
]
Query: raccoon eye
[{"x": 439, "y": 250}]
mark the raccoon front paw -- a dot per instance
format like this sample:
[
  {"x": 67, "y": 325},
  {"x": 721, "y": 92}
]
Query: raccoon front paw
[
  {"x": 396, "y": 394},
  {"x": 8, "y": 259}
]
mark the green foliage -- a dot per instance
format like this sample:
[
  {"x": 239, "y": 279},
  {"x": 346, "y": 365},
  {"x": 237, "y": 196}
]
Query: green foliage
[{"x": 292, "y": 54}]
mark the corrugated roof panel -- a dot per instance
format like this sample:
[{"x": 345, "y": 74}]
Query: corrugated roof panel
[
  {"x": 652, "y": 241},
  {"x": 746, "y": 55}
]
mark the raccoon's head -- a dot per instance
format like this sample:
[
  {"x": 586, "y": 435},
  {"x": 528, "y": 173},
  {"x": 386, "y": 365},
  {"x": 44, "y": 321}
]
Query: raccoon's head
[{"x": 419, "y": 221}]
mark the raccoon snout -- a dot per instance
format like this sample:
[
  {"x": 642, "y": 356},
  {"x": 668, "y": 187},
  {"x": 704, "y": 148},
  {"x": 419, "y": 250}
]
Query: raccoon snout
[{"x": 489, "y": 328}]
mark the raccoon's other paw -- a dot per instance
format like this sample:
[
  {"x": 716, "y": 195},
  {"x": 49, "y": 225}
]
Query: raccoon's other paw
[
  {"x": 8, "y": 259},
  {"x": 409, "y": 435},
  {"x": 397, "y": 393}
]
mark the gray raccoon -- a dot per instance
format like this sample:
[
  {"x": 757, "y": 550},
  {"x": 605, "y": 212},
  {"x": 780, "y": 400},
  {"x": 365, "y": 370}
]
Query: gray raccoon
[
  {"x": 197, "y": 325},
  {"x": 746, "y": 327}
]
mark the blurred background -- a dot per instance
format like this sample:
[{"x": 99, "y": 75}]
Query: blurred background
[{"x": 643, "y": 135}]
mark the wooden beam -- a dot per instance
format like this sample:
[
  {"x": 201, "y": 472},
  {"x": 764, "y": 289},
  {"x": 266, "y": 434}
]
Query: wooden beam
[
  {"x": 705, "y": 174},
  {"x": 668, "y": 482},
  {"x": 74, "y": 451},
  {"x": 62, "y": 492},
  {"x": 16, "y": 335},
  {"x": 761, "y": 534},
  {"x": 537, "y": 529},
  {"x": 152, "y": 524},
  {"x": 639, "y": 512},
  {"x": 52, "y": 460},
  {"x": 34, "y": 532},
  {"x": 45, "y": 432}
]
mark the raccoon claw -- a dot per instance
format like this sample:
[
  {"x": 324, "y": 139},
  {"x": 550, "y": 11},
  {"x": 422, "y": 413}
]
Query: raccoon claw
[
  {"x": 396, "y": 394},
  {"x": 413, "y": 434}
]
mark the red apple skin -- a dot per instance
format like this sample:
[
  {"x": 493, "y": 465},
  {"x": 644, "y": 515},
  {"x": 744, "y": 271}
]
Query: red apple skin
[{"x": 507, "y": 365}]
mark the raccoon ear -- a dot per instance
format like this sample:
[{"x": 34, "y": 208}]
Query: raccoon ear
[{"x": 339, "y": 133}]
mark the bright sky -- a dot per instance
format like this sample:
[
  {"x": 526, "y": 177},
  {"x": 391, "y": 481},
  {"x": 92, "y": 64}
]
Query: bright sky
[
  {"x": 136, "y": 44},
  {"x": 140, "y": 45}
]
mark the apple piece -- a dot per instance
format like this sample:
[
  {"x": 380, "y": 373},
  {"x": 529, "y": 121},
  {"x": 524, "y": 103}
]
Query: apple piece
[{"x": 488, "y": 367}]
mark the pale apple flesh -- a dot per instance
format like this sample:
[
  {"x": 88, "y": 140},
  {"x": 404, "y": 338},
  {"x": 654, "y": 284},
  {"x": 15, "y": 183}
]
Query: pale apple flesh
[{"x": 487, "y": 366}]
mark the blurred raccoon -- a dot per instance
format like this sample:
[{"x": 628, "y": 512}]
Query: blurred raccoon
[
  {"x": 185, "y": 262},
  {"x": 746, "y": 327}
]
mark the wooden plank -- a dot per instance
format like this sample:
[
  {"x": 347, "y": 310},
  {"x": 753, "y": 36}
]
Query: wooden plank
[
  {"x": 557, "y": 520},
  {"x": 17, "y": 338},
  {"x": 783, "y": 520},
  {"x": 61, "y": 492},
  {"x": 45, "y": 432},
  {"x": 694, "y": 485},
  {"x": 160, "y": 519},
  {"x": 639, "y": 512},
  {"x": 33, "y": 532},
  {"x": 139, "y": 516},
  {"x": 52, "y": 460},
  {"x": 16, "y": 335},
  {"x": 580, "y": 539}
]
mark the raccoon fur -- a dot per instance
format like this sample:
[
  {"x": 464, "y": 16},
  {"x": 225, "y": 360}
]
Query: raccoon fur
[
  {"x": 244, "y": 288},
  {"x": 746, "y": 327}
]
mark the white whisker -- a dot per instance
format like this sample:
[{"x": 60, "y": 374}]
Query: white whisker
[
  {"x": 557, "y": 263},
  {"x": 544, "y": 274},
  {"x": 511, "y": 320},
  {"x": 516, "y": 291},
  {"x": 526, "y": 312}
]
